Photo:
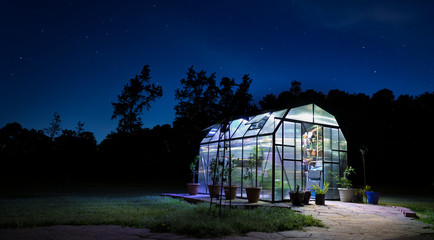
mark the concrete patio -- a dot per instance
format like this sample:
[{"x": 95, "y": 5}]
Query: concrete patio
[{"x": 344, "y": 220}]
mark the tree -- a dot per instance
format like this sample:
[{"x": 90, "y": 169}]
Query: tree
[
  {"x": 54, "y": 128},
  {"x": 136, "y": 95},
  {"x": 295, "y": 89},
  {"x": 198, "y": 99}
]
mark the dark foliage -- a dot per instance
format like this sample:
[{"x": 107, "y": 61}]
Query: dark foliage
[
  {"x": 395, "y": 130},
  {"x": 136, "y": 95}
]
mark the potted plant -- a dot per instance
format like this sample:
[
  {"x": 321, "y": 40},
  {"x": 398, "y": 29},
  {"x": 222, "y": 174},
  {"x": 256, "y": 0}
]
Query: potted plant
[
  {"x": 193, "y": 187},
  {"x": 345, "y": 191},
  {"x": 359, "y": 193},
  {"x": 306, "y": 198},
  {"x": 214, "y": 174},
  {"x": 371, "y": 196},
  {"x": 296, "y": 196},
  {"x": 320, "y": 193},
  {"x": 230, "y": 190},
  {"x": 252, "y": 192}
]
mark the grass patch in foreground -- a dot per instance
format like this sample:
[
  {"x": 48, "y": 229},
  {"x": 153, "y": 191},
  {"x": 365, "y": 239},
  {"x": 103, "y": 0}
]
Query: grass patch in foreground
[
  {"x": 160, "y": 214},
  {"x": 424, "y": 209}
]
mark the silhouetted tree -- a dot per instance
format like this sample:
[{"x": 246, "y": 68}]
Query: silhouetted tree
[
  {"x": 54, "y": 128},
  {"x": 295, "y": 89},
  {"x": 136, "y": 95},
  {"x": 24, "y": 154}
]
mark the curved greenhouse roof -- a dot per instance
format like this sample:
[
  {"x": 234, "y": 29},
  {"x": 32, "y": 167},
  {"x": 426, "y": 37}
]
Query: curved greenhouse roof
[{"x": 266, "y": 123}]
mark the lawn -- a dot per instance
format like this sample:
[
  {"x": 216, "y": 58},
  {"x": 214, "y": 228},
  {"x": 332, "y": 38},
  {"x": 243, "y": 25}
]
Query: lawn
[
  {"x": 139, "y": 209},
  {"x": 419, "y": 200}
]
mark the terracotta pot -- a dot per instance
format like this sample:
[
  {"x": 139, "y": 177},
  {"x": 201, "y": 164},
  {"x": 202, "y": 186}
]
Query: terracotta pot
[
  {"x": 193, "y": 188},
  {"x": 346, "y": 195},
  {"x": 231, "y": 192},
  {"x": 214, "y": 190},
  {"x": 253, "y": 194},
  {"x": 320, "y": 199},
  {"x": 296, "y": 198}
]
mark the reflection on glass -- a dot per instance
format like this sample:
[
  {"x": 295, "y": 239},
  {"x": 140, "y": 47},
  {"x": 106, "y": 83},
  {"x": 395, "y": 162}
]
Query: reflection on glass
[
  {"x": 321, "y": 116},
  {"x": 342, "y": 142},
  {"x": 289, "y": 178},
  {"x": 289, "y": 133},
  {"x": 303, "y": 113}
]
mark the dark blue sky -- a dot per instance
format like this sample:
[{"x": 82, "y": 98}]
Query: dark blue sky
[{"x": 74, "y": 57}]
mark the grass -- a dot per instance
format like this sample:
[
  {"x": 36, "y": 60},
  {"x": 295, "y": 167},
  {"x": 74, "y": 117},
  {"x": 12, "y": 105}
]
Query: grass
[
  {"x": 419, "y": 200},
  {"x": 160, "y": 214},
  {"x": 423, "y": 209}
]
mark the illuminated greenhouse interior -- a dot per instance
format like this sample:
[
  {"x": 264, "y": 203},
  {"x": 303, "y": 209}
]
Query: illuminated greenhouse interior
[{"x": 289, "y": 147}]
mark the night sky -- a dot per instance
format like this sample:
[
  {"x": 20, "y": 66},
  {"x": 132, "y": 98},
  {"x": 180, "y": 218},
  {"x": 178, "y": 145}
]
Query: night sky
[{"x": 74, "y": 57}]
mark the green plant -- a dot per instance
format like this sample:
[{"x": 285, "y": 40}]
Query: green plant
[
  {"x": 193, "y": 168},
  {"x": 227, "y": 173},
  {"x": 319, "y": 190},
  {"x": 215, "y": 171},
  {"x": 343, "y": 181},
  {"x": 248, "y": 174},
  {"x": 297, "y": 189}
]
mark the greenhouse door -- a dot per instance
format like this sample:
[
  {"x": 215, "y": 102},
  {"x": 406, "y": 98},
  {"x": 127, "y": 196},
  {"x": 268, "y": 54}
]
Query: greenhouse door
[
  {"x": 312, "y": 155},
  {"x": 302, "y": 156}
]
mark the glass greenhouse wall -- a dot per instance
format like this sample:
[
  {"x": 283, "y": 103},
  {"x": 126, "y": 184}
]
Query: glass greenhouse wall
[{"x": 290, "y": 147}]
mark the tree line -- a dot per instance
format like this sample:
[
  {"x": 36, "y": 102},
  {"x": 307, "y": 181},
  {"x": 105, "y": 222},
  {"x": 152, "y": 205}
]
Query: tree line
[{"x": 395, "y": 131}]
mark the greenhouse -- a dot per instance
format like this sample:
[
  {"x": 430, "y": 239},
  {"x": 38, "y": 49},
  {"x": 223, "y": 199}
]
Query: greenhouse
[{"x": 289, "y": 147}]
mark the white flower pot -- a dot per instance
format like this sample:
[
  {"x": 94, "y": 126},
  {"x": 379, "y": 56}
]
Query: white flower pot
[{"x": 346, "y": 195}]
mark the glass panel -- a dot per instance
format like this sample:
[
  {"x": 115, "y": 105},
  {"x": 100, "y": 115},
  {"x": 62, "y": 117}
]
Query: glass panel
[
  {"x": 335, "y": 156},
  {"x": 205, "y": 140},
  {"x": 236, "y": 156},
  {"x": 312, "y": 143},
  {"x": 289, "y": 178},
  {"x": 278, "y": 135},
  {"x": 328, "y": 178},
  {"x": 335, "y": 139},
  {"x": 289, "y": 153},
  {"x": 335, "y": 145},
  {"x": 252, "y": 132},
  {"x": 203, "y": 161},
  {"x": 321, "y": 116},
  {"x": 343, "y": 160},
  {"x": 258, "y": 118},
  {"x": 241, "y": 129},
  {"x": 271, "y": 124},
  {"x": 298, "y": 146},
  {"x": 289, "y": 131},
  {"x": 234, "y": 126},
  {"x": 249, "y": 151},
  {"x": 213, "y": 130},
  {"x": 280, "y": 113},
  {"x": 264, "y": 156},
  {"x": 216, "y": 136},
  {"x": 298, "y": 174},
  {"x": 327, "y": 145},
  {"x": 303, "y": 113},
  {"x": 212, "y": 154},
  {"x": 342, "y": 141},
  {"x": 278, "y": 180}
]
